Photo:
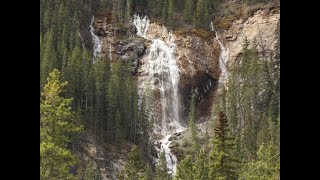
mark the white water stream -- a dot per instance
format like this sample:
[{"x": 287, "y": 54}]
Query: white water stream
[
  {"x": 223, "y": 58},
  {"x": 96, "y": 42},
  {"x": 161, "y": 75}
]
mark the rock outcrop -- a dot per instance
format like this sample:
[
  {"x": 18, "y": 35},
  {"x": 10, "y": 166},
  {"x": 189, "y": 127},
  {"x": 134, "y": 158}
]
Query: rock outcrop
[
  {"x": 259, "y": 28},
  {"x": 120, "y": 42},
  {"x": 198, "y": 61}
]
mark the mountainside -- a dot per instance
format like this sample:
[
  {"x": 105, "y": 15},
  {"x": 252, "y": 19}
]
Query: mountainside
[{"x": 160, "y": 89}]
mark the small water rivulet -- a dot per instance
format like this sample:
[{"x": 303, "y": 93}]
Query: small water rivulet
[
  {"x": 96, "y": 41},
  {"x": 223, "y": 58}
]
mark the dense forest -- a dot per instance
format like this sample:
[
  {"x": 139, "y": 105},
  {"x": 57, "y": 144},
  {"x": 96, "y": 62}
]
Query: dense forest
[{"x": 86, "y": 96}]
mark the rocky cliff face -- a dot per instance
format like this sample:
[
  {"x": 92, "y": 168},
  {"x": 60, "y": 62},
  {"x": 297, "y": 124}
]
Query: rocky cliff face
[
  {"x": 119, "y": 42},
  {"x": 259, "y": 28},
  {"x": 198, "y": 61},
  {"x": 197, "y": 58}
]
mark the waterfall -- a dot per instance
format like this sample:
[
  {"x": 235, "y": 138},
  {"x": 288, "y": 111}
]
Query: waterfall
[
  {"x": 223, "y": 58},
  {"x": 95, "y": 40},
  {"x": 142, "y": 24},
  {"x": 161, "y": 75},
  {"x": 110, "y": 51}
]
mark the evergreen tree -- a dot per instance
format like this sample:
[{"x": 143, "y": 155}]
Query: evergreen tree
[
  {"x": 114, "y": 97},
  {"x": 133, "y": 165},
  {"x": 199, "y": 14},
  {"x": 201, "y": 166},
  {"x": 185, "y": 169},
  {"x": 49, "y": 60},
  {"x": 170, "y": 13},
  {"x": 129, "y": 10},
  {"x": 266, "y": 166},
  {"x": 164, "y": 11},
  {"x": 57, "y": 123},
  {"x": 162, "y": 169},
  {"x": 223, "y": 163},
  {"x": 192, "y": 125},
  {"x": 188, "y": 10},
  {"x": 148, "y": 173}
]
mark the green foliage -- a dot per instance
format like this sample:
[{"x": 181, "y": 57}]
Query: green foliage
[
  {"x": 89, "y": 172},
  {"x": 161, "y": 169},
  {"x": 148, "y": 175},
  {"x": 133, "y": 166},
  {"x": 184, "y": 169},
  {"x": 266, "y": 166},
  {"x": 192, "y": 125},
  {"x": 188, "y": 10},
  {"x": 223, "y": 164},
  {"x": 252, "y": 102},
  {"x": 201, "y": 18},
  {"x": 49, "y": 60},
  {"x": 201, "y": 166},
  {"x": 170, "y": 13},
  {"x": 57, "y": 123},
  {"x": 164, "y": 12}
]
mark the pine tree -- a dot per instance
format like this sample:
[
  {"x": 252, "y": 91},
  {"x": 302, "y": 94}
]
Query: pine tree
[
  {"x": 201, "y": 166},
  {"x": 201, "y": 18},
  {"x": 188, "y": 10},
  {"x": 133, "y": 166},
  {"x": 199, "y": 14},
  {"x": 129, "y": 10},
  {"x": 49, "y": 58},
  {"x": 57, "y": 123},
  {"x": 170, "y": 13},
  {"x": 222, "y": 163},
  {"x": 185, "y": 169},
  {"x": 266, "y": 166},
  {"x": 148, "y": 175},
  {"x": 114, "y": 97},
  {"x": 192, "y": 125},
  {"x": 46, "y": 21},
  {"x": 164, "y": 11},
  {"x": 162, "y": 169}
]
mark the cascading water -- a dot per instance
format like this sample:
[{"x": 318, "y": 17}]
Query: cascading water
[
  {"x": 142, "y": 24},
  {"x": 160, "y": 74},
  {"x": 96, "y": 42},
  {"x": 223, "y": 58},
  {"x": 110, "y": 51}
]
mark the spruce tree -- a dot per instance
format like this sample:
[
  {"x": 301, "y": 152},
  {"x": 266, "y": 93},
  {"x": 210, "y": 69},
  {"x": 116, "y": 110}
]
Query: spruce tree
[
  {"x": 185, "y": 169},
  {"x": 164, "y": 11},
  {"x": 49, "y": 60},
  {"x": 266, "y": 166},
  {"x": 192, "y": 125},
  {"x": 170, "y": 13},
  {"x": 201, "y": 166},
  {"x": 188, "y": 10},
  {"x": 133, "y": 166},
  {"x": 162, "y": 169},
  {"x": 223, "y": 163},
  {"x": 199, "y": 14},
  {"x": 57, "y": 123},
  {"x": 148, "y": 175}
]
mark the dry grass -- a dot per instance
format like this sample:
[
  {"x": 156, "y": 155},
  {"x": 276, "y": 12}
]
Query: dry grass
[
  {"x": 202, "y": 33},
  {"x": 231, "y": 11},
  {"x": 249, "y": 10}
]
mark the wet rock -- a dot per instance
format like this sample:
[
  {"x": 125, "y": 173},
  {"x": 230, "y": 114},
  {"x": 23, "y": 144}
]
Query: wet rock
[
  {"x": 172, "y": 145},
  {"x": 231, "y": 36},
  {"x": 100, "y": 32},
  {"x": 133, "y": 29},
  {"x": 177, "y": 134}
]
